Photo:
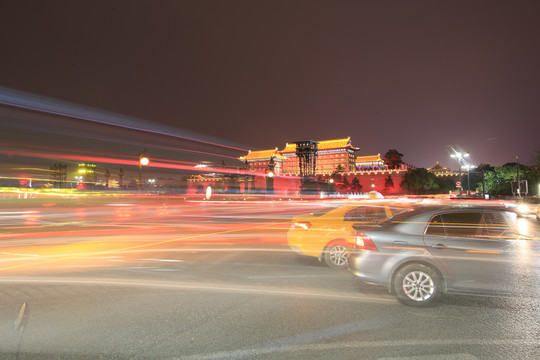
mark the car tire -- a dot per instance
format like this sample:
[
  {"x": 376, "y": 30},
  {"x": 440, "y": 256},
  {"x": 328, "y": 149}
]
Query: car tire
[
  {"x": 417, "y": 285},
  {"x": 335, "y": 256}
]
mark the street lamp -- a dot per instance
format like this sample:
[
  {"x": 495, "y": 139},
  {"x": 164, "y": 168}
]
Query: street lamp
[
  {"x": 460, "y": 158},
  {"x": 143, "y": 160},
  {"x": 469, "y": 167},
  {"x": 518, "y": 180}
]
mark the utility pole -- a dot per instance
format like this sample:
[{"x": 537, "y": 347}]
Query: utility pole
[{"x": 518, "y": 181}]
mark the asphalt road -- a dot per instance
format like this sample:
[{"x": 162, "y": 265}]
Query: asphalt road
[{"x": 169, "y": 279}]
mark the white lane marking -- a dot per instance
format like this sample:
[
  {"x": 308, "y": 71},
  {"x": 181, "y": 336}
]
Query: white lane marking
[
  {"x": 311, "y": 347},
  {"x": 290, "y": 342},
  {"x": 453, "y": 356}
]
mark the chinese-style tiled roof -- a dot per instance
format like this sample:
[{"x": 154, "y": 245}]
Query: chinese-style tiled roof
[
  {"x": 438, "y": 167},
  {"x": 336, "y": 144},
  {"x": 369, "y": 159},
  {"x": 289, "y": 148},
  {"x": 262, "y": 154},
  {"x": 323, "y": 145}
]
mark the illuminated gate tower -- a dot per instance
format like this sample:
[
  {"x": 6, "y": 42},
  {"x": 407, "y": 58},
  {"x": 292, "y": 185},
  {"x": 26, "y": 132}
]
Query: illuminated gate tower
[
  {"x": 306, "y": 152},
  {"x": 330, "y": 155}
]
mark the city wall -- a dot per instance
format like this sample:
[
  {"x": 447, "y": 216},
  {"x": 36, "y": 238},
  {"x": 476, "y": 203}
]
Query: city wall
[{"x": 289, "y": 184}]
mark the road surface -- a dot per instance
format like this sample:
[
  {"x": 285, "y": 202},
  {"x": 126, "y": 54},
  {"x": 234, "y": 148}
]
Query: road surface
[{"x": 174, "y": 279}]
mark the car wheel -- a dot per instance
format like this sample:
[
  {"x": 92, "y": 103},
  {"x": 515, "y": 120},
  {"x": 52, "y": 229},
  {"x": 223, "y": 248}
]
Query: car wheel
[
  {"x": 417, "y": 285},
  {"x": 335, "y": 256}
]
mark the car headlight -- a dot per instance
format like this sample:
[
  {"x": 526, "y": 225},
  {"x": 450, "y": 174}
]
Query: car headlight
[{"x": 523, "y": 209}]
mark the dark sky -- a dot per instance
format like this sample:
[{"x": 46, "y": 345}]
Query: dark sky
[{"x": 412, "y": 75}]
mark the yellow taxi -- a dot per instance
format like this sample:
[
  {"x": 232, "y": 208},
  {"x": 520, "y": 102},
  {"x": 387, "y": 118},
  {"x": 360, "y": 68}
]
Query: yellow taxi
[{"x": 328, "y": 233}]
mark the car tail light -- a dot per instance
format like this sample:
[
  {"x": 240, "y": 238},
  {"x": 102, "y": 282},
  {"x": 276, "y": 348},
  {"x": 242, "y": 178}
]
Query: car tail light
[
  {"x": 364, "y": 242},
  {"x": 303, "y": 225}
]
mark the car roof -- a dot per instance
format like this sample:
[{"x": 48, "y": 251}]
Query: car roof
[{"x": 420, "y": 216}]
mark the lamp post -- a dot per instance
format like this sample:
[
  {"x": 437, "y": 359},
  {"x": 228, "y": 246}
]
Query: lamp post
[
  {"x": 460, "y": 158},
  {"x": 143, "y": 160},
  {"x": 329, "y": 183},
  {"x": 518, "y": 180},
  {"x": 469, "y": 167},
  {"x": 270, "y": 176}
]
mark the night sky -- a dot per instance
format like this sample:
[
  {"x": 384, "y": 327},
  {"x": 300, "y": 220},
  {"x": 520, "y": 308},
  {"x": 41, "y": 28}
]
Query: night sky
[{"x": 416, "y": 76}]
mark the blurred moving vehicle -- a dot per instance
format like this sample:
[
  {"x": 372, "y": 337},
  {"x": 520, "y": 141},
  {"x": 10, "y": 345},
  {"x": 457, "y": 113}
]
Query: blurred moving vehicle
[
  {"x": 424, "y": 252},
  {"x": 527, "y": 206},
  {"x": 328, "y": 233}
]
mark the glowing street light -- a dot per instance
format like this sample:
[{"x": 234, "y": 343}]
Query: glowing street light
[
  {"x": 460, "y": 158},
  {"x": 143, "y": 160}
]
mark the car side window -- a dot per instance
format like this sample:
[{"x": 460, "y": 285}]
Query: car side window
[
  {"x": 496, "y": 226},
  {"x": 466, "y": 224},
  {"x": 436, "y": 227}
]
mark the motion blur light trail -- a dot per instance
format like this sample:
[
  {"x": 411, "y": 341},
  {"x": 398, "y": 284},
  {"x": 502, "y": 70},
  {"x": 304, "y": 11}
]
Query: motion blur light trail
[
  {"x": 155, "y": 164},
  {"x": 19, "y": 99},
  {"x": 92, "y": 248},
  {"x": 108, "y": 160}
]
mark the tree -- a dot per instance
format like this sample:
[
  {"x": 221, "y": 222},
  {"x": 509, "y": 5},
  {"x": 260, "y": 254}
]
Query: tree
[
  {"x": 393, "y": 159},
  {"x": 344, "y": 185},
  {"x": 355, "y": 185},
  {"x": 535, "y": 159},
  {"x": 498, "y": 179},
  {"x": 446, "y": 184},
  {"x": 338, "y": 170},
  {"x": 388, "y": 183},
  {"x": 419, "y": 180}
]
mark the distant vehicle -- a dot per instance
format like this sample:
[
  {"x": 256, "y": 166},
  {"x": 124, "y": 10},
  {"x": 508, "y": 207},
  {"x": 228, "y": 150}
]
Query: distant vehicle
[
  {"x": 422, "y": 253},
  {"x": 328, "y": 233},
  {"x": 527, "y": 206}
]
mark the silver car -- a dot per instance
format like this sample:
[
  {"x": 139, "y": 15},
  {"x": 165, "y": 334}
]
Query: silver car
[{"x": 424, "y": 252}]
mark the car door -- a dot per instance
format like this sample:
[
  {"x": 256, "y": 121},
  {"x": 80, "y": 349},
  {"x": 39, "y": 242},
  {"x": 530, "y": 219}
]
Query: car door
[{"x": 471, "y": 252}]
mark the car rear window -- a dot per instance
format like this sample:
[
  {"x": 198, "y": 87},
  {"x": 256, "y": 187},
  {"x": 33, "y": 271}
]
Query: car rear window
[
  {"x": 323, "y": 211},
  {"x": 366, "y": 213},
  {"x": 400, "y": 218}
]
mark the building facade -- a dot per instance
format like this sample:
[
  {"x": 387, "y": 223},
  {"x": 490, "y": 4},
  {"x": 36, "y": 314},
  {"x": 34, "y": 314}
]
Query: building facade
[
  {"x": 370, "y": 162},
  {"x": 331, "y": 155},
  {"x": 262, "y": 161}
]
